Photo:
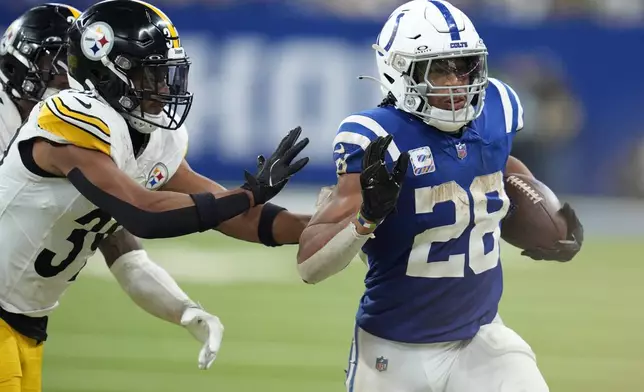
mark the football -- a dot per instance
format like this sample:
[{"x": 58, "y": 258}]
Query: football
[{"x": 534, "y": 220}]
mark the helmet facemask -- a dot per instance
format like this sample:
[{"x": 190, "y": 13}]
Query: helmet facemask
[
  {"x": 154, "y": 91},
  {"x": 37, "y": 65},
  {"x": 446, "y": 91}
]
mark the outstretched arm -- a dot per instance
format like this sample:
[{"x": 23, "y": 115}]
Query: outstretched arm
[
  {"x": 160, "y": 214},
  {"x": 153, "y": 290},
  {"x": 350, "y": 215},
  {"x": 147, "y": 214},
  {"x": 266, "y": 223},
  {"x": 334, "y": 236}
]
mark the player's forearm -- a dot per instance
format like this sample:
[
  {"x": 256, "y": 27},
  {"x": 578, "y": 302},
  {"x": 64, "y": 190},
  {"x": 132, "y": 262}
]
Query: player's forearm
[
  {"x": 268, "y": 225},
  {"x": 326, "y": 249},
  {"x": 150, "y": 286},
  {"x": 143, "y": 212},
  {"x": 315, "y": 237},
  {"x": 288, "y": 227},
  {"x": 275, "y": 227}
]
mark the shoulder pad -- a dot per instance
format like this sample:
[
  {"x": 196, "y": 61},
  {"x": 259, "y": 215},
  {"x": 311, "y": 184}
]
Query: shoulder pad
[
  {"x": 511, "y": 105},
  {"x": 354, "y": 135},
  {"x": 79, "y": 119}
]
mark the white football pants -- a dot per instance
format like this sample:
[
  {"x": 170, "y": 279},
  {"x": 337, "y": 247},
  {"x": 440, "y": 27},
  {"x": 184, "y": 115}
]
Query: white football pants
[{"x": 497, "y": 359}]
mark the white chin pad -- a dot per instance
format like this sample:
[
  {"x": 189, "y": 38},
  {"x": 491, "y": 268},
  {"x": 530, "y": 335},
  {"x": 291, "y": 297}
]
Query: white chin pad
[
  {"x": 447, "y": 121},
  {"x": 143, "y": 126}
]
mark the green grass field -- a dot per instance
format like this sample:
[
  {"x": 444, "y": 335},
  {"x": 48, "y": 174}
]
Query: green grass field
[{"x": 585, "y": 321}]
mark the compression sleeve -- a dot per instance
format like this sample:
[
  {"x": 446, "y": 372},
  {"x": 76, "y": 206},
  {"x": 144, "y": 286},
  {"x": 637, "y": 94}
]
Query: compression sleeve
[{"x": 207, "y": 213}]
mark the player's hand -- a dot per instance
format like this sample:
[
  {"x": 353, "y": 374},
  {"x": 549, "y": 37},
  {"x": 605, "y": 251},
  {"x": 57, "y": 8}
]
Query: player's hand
[
  {"x": 564, "y": 250},
  {"x": 273, "y": 174},
  {"x": 207, "y": 329},
  {"x": 380, "y": 189}
]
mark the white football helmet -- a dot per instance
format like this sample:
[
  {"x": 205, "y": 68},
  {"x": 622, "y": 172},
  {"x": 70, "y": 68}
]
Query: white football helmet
[{"x": 424, "y": 37}]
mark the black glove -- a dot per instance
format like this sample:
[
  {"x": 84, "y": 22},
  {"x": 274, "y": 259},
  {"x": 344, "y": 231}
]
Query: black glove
[
  {"x": 380, "y": 189},
  {"x": 564, "y": 250},
  {"x": 273, "y": 174}
]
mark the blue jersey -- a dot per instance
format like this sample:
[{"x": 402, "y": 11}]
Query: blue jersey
[{"x": 434, "y": 267}]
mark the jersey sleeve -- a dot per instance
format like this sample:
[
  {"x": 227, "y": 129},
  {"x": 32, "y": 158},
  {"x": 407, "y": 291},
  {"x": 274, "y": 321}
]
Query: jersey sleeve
[
  {"x": 512, "y": 108},
  {"x": 75, "y": 119},
  {"x": 352, "y": 138}
]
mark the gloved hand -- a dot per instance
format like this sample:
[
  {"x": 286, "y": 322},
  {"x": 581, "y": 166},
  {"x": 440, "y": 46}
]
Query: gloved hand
[
  {"x": 380, "y": 189},
  {"x": 207, "y": 329},
  {"x": 564, "y": 250},
  {"x": 273, "y": 174}
]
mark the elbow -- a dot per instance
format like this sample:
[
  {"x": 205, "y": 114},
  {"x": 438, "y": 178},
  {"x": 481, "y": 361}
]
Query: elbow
[
  {"x": 309, "y": 273},
  {"x": 309, "y": 279}
]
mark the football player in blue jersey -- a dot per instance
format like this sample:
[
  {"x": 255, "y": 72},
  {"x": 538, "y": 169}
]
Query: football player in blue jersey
[{"x": 430, "y": 159}]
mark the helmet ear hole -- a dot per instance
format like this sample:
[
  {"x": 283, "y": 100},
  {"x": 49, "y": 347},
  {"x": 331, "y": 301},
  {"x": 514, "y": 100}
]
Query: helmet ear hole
[
  {"x": 100, "y": 77},
  {"x": 9, "y": 69}
]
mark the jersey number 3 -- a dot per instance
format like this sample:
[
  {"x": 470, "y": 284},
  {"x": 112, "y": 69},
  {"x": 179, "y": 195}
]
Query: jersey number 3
[
  {"x": 44, "y": 263},
  {"x": 483, "y": 189}
]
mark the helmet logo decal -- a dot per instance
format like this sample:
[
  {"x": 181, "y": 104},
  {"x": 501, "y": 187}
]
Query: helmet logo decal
[
  {"x": 8, "y": 37},
  {"x": 393, "y": 34},
  {"x": 97, "y": 40}
]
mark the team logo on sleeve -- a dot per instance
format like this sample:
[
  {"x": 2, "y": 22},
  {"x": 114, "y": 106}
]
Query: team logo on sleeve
[
  {"x": 157, "y": 177},
  {"x": 422, "y": 161},
  {"x": 97, "y": 41}
]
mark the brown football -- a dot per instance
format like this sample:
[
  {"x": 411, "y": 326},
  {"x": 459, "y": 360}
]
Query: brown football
[{"x": 534, "y": 219}]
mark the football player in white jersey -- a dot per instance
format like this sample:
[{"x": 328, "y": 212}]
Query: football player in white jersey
[
  {"x": 33, "y": 68},
  {"x": 82, "y": 157}
]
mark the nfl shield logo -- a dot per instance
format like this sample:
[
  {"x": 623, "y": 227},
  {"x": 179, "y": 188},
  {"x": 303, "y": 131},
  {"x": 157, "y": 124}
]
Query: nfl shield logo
[
  {"x": 381, "y": 364},
  {"x": 461, "y": 150}
]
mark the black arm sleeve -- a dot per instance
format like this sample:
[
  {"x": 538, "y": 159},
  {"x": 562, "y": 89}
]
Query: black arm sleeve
[{"x": 207, "y": 213}]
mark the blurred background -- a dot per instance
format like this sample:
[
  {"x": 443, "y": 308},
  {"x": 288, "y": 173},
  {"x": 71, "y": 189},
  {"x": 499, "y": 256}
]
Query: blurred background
[{"x": 262, "y": 67}]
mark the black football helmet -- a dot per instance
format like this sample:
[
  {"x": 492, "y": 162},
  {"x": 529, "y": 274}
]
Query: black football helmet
[
  {"x": 32, "y": 50},
  {"x": 130, "y": 53}
]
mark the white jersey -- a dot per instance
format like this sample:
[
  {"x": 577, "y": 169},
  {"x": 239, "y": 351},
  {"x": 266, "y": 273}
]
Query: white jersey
[
  {"x": 9, "y": 120},
  {"x": 48, "y": 229}
]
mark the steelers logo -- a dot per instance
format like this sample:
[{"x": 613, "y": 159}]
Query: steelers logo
[
  {"x": 8, "y": 37},
  {"x": 157, "y": 177},
  {"x": 97, "y": 40}
]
